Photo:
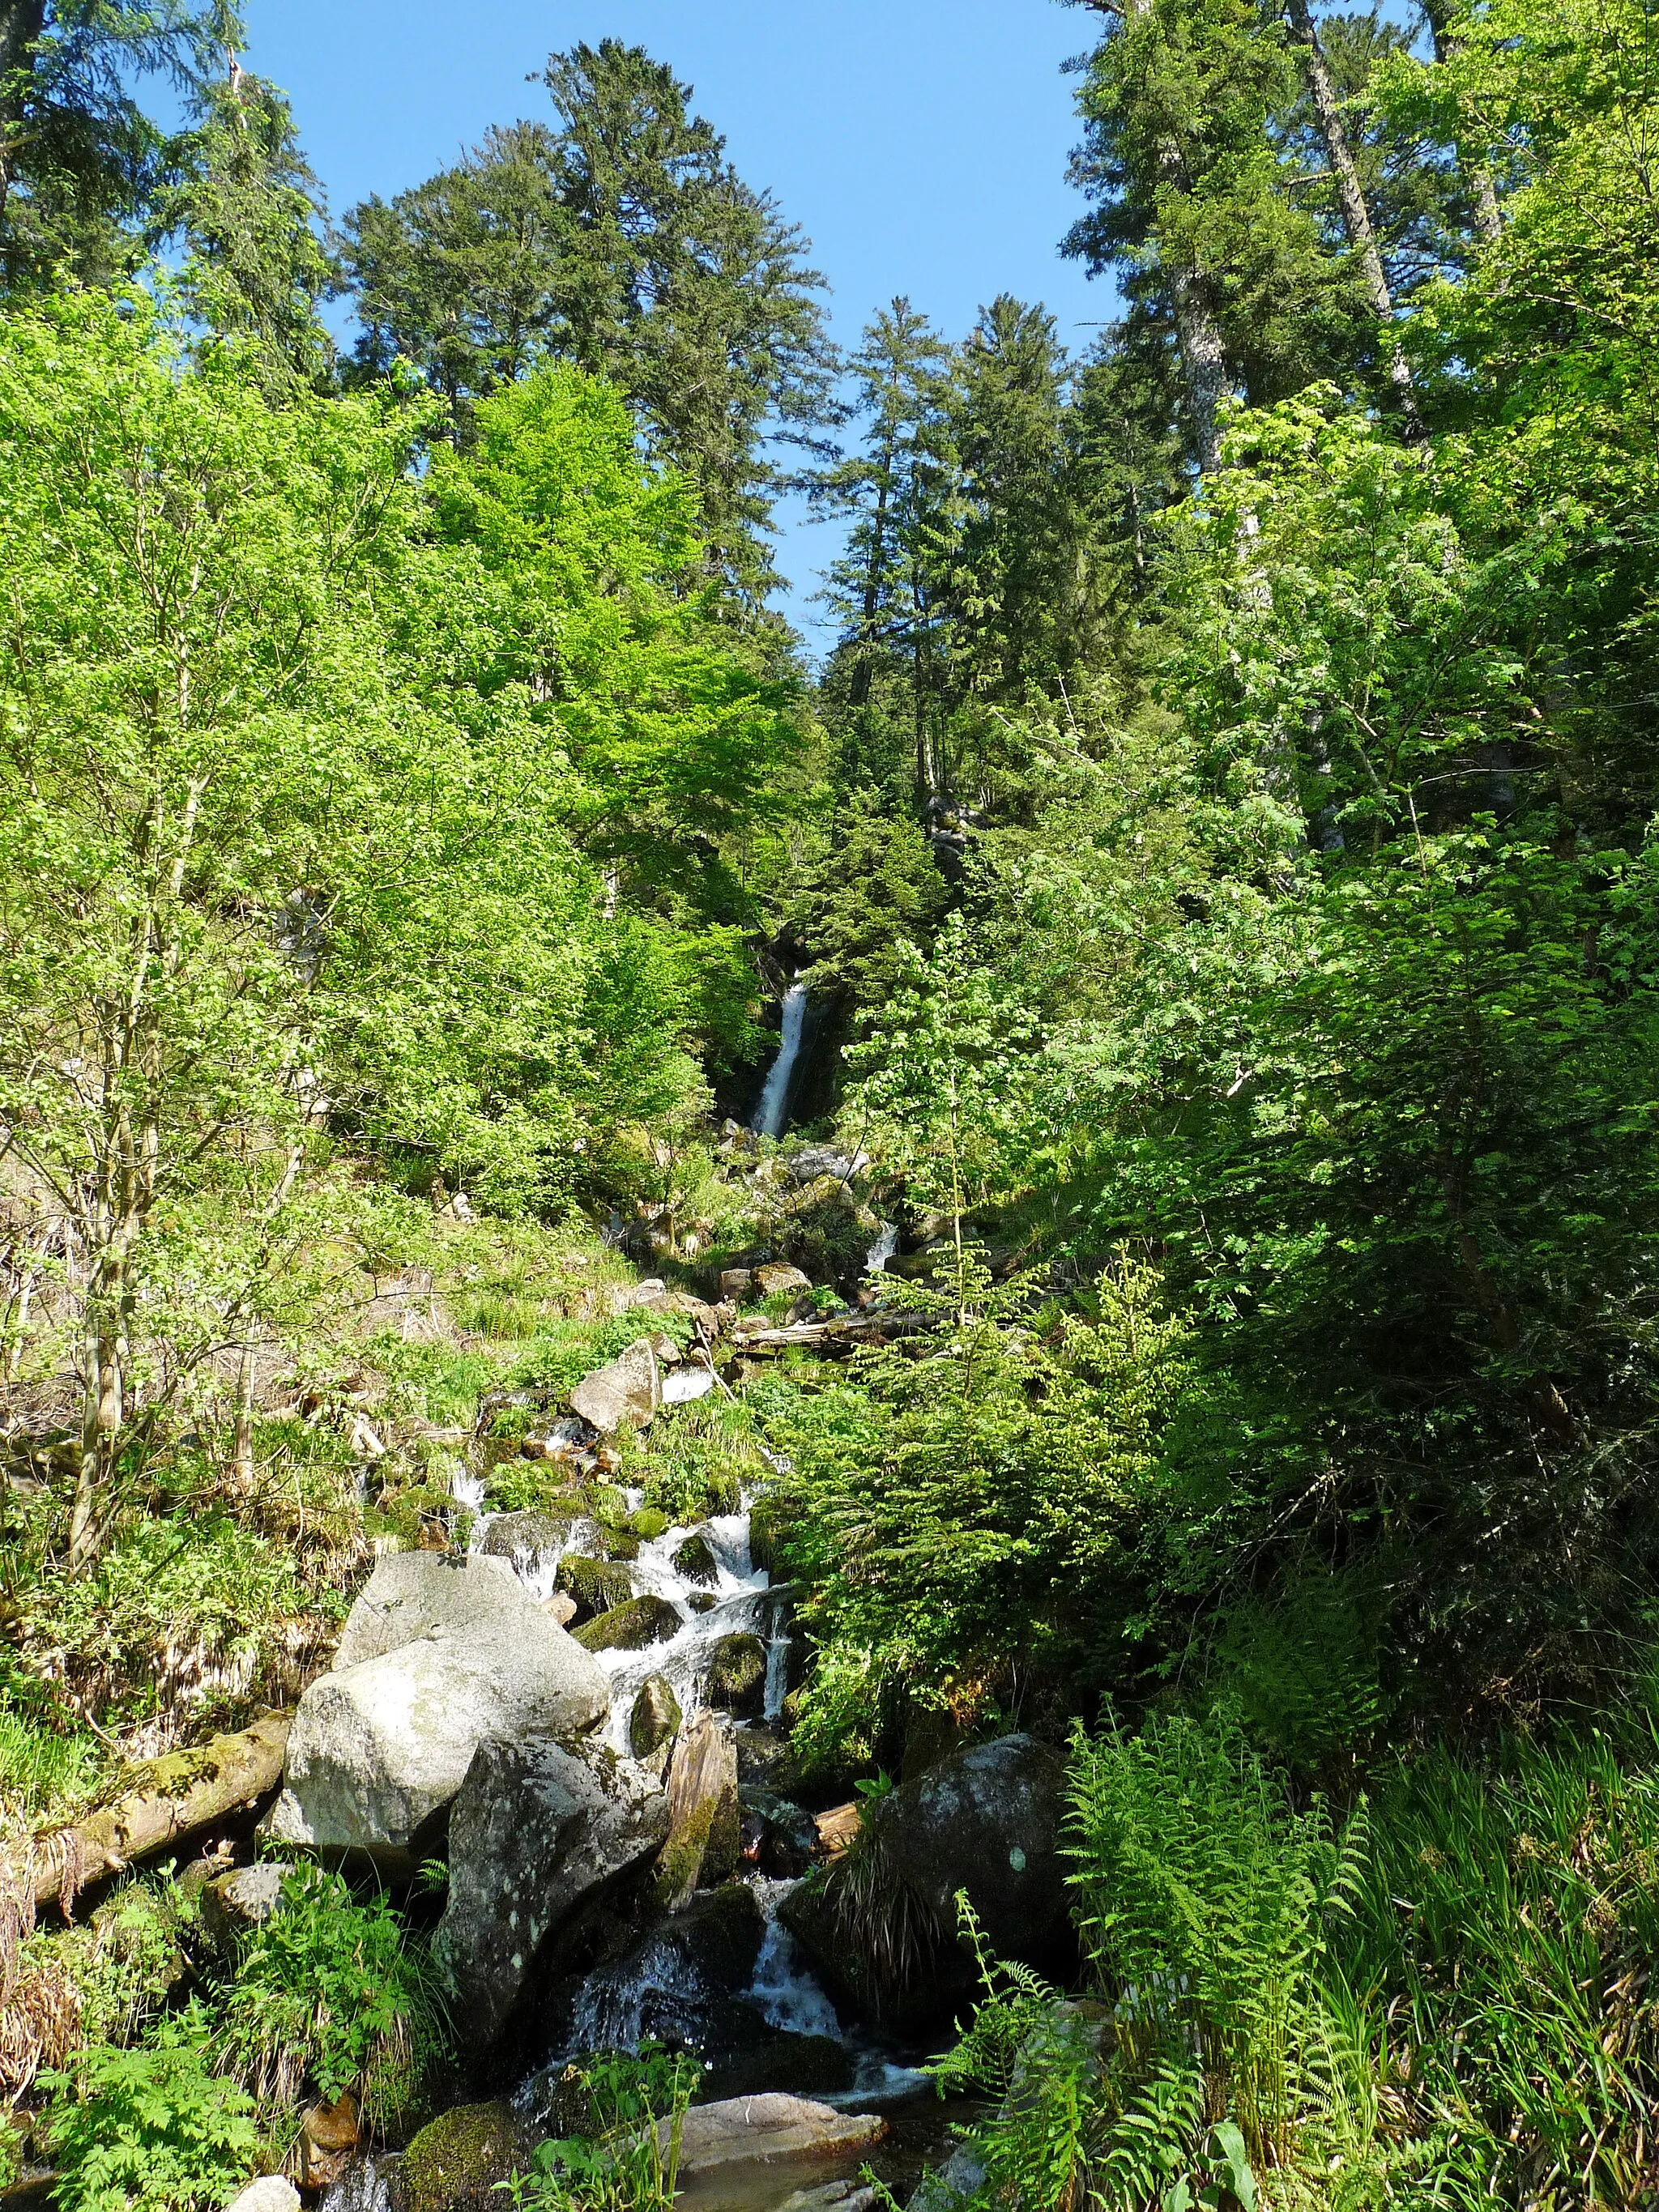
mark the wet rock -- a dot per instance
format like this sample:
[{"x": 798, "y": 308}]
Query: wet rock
[
  {"x": 717, "y": 2142},
  {"x": 736, "y": 1676},
  {"x": 328, "y": 2137},
  {"x": 631, "y": 1627},
  {"x": 526, "y": 1537},
  {"x": 780, "y": 1838},
  {"x": 696, "y": 1562},
  {"x": 744, "y": 2055},
  {"x": 458, "y": 2162},
  {"x": 232, "y": 1904},
  {"x": 701, "y": 1600},
  {"x": 832, "y": 2196},
  {"x": 814, "y": 1162},
  {"x": 703, "y": 1839},
  {"x": 437, "y": 1654},
  {"x": 537, "y": 1828},
  {"x": 671, "y": 1985},
  {"x": 596, "y": 1585},
  {"x": 655, "y": 1717},
  {"x": 271, "y": 2193},
  {"x": 778, "y": 1277},
  {"x": 628, "y": 1389}
]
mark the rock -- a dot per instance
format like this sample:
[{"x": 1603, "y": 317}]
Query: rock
[
  {"x": 780, "y": 1838},
  {"x": 736, "y": 1675},
  {"x": 271, "y": 2193},
  {"x": 232, "y": 1904},
  {"x": 537, "y": 1828},
  {"x": 701, "y": 1600},
  {"x": 648, "y": 1524},
  {"x": 631, "y": 1627},
  {"x": 814, "y": 1161},
  {"x": 695, "y": 1561},
  {"x": 675, "y": 1984},
  {"x": 596, "y": 1585},
  {"x": 655, "y": 1717},
  {"x": 526, "y": 1538},
  {"x": 838, "y": 1828},
  {"x": 458, "y": 2162},
  {"x": 736, "y": 1283},
  {"x": 437, "y": 1654},
  {"x": 986, "y": 1820},
  {"x": 954, "y": 2185},
  {"x": 832, "y": 2196},
  {"x": 561, "y": 1608},
  {"x": 778, "y": 1277},
  {"x": 717, "y": 2141},
  {"x": 766, "y": 1526},
  {"x": 703, "y": 1842},
  {"x": 745, "y": 2055},
  {"x": 328, "y": 2136},
  {"x": 629, "y": 1389}
]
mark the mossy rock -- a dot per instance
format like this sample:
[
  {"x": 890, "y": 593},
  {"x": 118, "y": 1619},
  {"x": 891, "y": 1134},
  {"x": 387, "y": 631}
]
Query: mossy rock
[
  {"x": 648, "y": 1524},
  {"x": 607, "y": 1504},
  {"x": 724, "y": 1493},
  {"x": 701, "y": 1600},
  {"x": 736, "y": 1675},
  {"x": 767, "y": 1527},
  {"x": 458, "y": 2161},
  {"x": 620, "y": 1543},
  {"x": 596, "y": 1585},
  {"x": 631, "y": 1627},
  {"x": 696, "y": 1561},
  {"x": 655, "y": 1719}
]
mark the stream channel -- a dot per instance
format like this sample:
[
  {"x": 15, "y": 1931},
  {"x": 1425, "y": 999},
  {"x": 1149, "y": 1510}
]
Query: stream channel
[{"x": 658, "y": 1992}]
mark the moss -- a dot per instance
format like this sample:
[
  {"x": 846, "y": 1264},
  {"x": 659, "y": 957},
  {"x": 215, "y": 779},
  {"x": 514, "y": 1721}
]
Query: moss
[
  {"x": 648, "y": 1524},
  {"x": 737, "y": 1674},
  {"x": 631, "y": 1627},
  {"x": 694, "y": 1560},
  {"x": 460, "y": 2158},
  {"x": 596, "y": 1585}
]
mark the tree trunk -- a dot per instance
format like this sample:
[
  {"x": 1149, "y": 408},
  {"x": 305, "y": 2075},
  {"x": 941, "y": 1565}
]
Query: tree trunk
[
  {"x": 1488, "y": 220},
  {"x": 21, "y": 22},
  {"x": 1356, "y": 216}
]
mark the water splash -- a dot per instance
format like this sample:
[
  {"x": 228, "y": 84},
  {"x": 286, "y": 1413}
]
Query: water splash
[
  {"x": 876, "y": 1259},
  {"x": 773, "y": 1111}
]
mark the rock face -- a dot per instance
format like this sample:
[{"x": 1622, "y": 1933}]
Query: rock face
[
  {"x": 629, "y": 1389},
  {"x": 537, "y": 1828},
  {"x": 719, "y": 2140},
  {"x": 437, "y": 1654},
  {"x": 703, "y": 1842}
]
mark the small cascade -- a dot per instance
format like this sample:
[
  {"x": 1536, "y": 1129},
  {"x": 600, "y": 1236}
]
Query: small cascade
[
  {"x": 876, "y": 1259},
  {"x": 777, "y": 1662},
  {"x": 773, "y": 1111}
]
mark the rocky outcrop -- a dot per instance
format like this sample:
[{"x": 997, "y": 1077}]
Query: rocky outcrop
[
  {"x": 438, "y": 1653},
  {"x": 717, "y": 2141},
  {"x": 704, "y": 1837},
  {"x": 537, "y": 1829}
]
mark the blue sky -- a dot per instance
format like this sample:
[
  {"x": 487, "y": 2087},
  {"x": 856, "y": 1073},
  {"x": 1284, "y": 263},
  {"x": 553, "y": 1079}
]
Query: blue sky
[{"x": 920, "y": 144}]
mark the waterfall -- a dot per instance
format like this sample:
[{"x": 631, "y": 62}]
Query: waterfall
[
  {"x": 876, "y": 1259},
  {"x": 774, "y": 1098}
]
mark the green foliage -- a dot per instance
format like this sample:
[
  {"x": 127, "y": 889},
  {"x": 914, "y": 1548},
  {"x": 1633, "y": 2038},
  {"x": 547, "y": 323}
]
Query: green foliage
[
  {"x": 151, "y": 2130},
  {"x": 328, "y": 1994},
  {"x": 628, "y": 2158}
]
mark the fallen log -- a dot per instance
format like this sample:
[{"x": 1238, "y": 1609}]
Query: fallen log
[
  {"x": 842, "y": 1330},
  {"x": 164, "y": 1801}
]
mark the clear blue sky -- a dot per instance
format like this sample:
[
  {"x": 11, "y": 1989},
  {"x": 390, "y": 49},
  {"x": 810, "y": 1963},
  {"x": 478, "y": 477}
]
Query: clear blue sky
[{"x": 920, "y": 144}]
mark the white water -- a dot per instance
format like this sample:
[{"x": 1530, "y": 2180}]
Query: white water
[
  {"x": 876, "y": 1259},
  {"x": 771, "y": 1113}
]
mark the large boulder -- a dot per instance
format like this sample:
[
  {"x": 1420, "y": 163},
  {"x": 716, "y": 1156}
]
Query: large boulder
[
  {"x": 986, "y": 1821},
  {"x": 717, "y": 2141},
  {"x": 537, "y": 1829},
  {"x": 437, "y": 1654},
  {"x": 628, "y": 1389}
]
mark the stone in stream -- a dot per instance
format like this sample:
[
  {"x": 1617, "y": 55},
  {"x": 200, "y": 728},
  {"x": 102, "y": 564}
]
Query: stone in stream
[
  {"x": 458, "y": 2162},
  {"x": 694, "y": 1562},
  {"x": 655, "y": 1717},
  {"x": 271, "y": 2193},
  {"x": 736, "y": 1676},
  {"x": 438, "y": 1653},
  {"x": 703, "y": 1839},
  {"x": 628, "y": 1389},
  {"x": 631, "y": 1627},
  {"x": 596, "y": 1585},
  {"x": 526, "y": 1537},
  {"x": 717, "y": 2142},
  {"x": 537, "y": 1829}
]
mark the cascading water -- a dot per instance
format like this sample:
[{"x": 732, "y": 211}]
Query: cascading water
[
  {"x": 773, "y": 1111},
  {"x": 876, "y": 1259}
]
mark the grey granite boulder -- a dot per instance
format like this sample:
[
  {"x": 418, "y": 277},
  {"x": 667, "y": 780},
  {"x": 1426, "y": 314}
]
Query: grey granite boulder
[
  {"x": 437, "y": 1654},
  {"x": 537, "y": 1828}
]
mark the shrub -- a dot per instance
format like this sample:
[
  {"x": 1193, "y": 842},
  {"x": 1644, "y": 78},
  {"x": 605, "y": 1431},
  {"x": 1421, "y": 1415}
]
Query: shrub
[
  {"x": 327, "y": 1991},
  {"x": 153, "y": 2129},
  {"x": 621, "y": 2162}
]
